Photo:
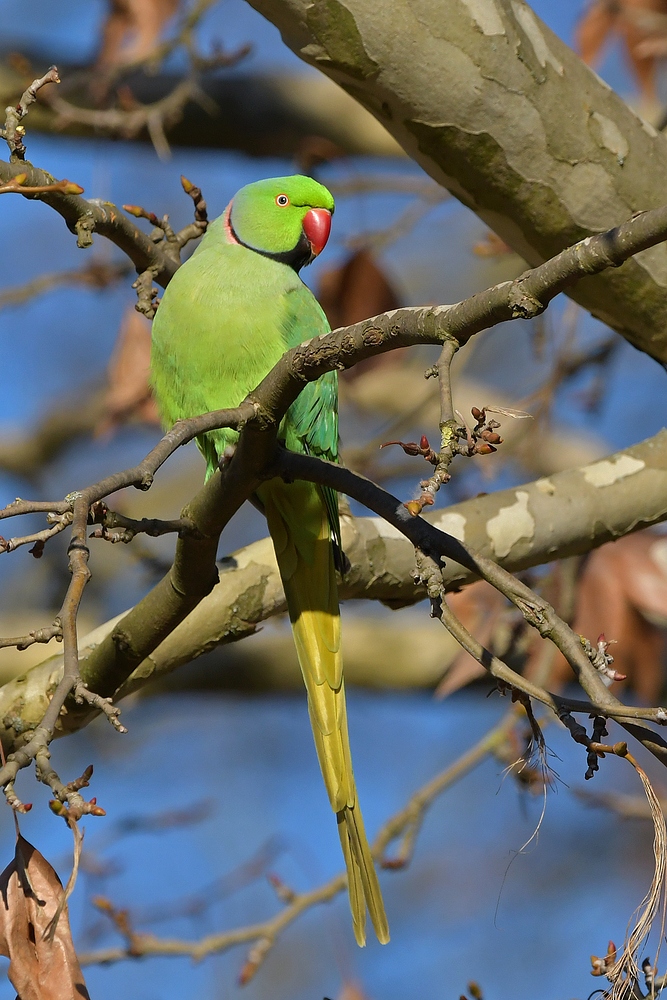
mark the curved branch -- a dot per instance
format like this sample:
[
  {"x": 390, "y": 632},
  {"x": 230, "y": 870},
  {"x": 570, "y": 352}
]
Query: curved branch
[
  {"x": 193, "y": 573},
  {"x": 87, "y": 216},
  {"x": 569, "y": 514}
]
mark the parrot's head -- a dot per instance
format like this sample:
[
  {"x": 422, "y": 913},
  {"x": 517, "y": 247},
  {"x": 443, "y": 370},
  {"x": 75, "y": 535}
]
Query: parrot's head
[{"x": 285, "y": 218}]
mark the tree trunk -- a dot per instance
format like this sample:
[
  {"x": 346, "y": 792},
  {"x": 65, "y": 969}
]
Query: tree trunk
[{"x": 501, "y": 112}]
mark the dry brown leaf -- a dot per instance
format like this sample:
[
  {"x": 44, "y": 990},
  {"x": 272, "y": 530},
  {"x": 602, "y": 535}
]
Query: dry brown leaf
[
  {"x": 41, "y": 966},
  {"x": 314, "y": 150},
  {"x": 352, "y": 991},
  {"x": 356, "y": 290},
  {"x": 132, "y": 30},
  {"x": 479, "y": 607},
  {"x": 491, "y": 245},
  {"x": 641, "y": 25},
  {"x": 129, "y": 396},
  {"x": 622, "y": 592},
  {"x": 353, "y": 292},
  {"x": 594, "y": 29}
]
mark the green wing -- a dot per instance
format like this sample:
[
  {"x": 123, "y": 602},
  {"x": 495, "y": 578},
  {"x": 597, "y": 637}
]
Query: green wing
[
  {"x": 311, "y": 423},
  {"x": 212, "y": 346}
]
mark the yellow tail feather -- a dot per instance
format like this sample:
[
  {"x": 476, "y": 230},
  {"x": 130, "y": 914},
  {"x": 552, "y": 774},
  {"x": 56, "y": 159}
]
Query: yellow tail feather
[{"x": 300, "y": 530}]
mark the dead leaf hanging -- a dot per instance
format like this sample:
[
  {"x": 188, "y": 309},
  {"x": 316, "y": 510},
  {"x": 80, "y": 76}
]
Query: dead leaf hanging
[
  {"x": 622, "y": 592},
  {"x": 129, "y": 395},
  {"x": 42, "y": 965},
  {"x": 356, "y": 290},
  {"x": 353, "y": 292},
  {"x": 132, "y": 30},
  {"x": 642, "y": 27}
]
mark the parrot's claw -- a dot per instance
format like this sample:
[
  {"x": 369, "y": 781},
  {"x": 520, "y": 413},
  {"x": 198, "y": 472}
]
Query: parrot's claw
[{"x": 227, "y": 455}]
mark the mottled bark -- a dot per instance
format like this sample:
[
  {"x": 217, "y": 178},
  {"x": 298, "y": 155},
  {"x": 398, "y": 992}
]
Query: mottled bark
[
  {"x": 501, "y": 112},
  {"x": 567, "y": 513}
]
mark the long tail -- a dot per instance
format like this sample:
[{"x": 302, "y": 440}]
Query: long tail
[{"x": 298, "y": 524}]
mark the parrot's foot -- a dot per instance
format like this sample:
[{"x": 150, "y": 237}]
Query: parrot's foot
[{"x": 227, "y": 456}]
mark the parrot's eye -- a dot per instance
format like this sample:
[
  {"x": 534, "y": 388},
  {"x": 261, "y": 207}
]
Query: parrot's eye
[{"x": 282, "y": 200}]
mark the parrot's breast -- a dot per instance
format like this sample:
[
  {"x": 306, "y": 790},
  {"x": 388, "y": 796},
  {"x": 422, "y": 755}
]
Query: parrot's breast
[
  {"x": 218, "y": 330},
  {"x": 226, "y": 318}
]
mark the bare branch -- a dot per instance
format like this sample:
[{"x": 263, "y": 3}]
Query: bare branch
[
  {"x": 264, "y": 935},
  {"x": 86, "y": 217},
  {"x": 494, "y": 152},
  {"x": 95, "y": 274},
  {"x": 19, "y": 506},
  {"x": 256, "y": 458},
  {"x": 438, "y": 546},
  {"x": 80, "y": 503},
  {"x": 158, "y": 116},
  {"x": 115, "y": 527},
  {"x": 16, "y": 186},
  {"x": 200, "y": 225},
  {"x": 13, "y": 131},
  {"x": 39, "y": 538},
  {"x": 104, "y": 705},
  {"x": 45, "y": 635}
]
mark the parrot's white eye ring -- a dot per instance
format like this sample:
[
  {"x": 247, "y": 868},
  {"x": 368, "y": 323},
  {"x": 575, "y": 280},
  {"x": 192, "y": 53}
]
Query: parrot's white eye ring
[{"x": 282, "y": 200}]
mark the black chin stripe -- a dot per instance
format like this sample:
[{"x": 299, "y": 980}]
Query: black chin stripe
[{"x": 297, "y": 258}]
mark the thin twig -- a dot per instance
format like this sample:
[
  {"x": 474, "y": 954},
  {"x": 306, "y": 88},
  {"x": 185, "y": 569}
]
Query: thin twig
[
  {"x": 16, "y": 186},
  {"x": 200, "y": 225},
  {"x": 45, "y": 634},
  {"x": 115, "y": 527},
  {"x": 13, "y": 132},
  {"x": 38, "y": 539},
  {"x": 160, "y": 115},
  {"x": 266, "y": 933},
  {"x": 96, "y": 274}
]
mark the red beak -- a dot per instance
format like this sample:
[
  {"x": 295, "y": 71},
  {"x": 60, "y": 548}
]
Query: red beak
[{"x": 317, "y": 226}]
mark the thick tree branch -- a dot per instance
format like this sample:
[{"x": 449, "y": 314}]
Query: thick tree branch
[
  {"x": 523, "y": 298},
  {"x": 569, "y": 513},
  {"x": 261, "y": 114},
  {"x": 193, "y": 573},
  {"x": 504, "y": 115},
  {"x": 439, "y": 546}
]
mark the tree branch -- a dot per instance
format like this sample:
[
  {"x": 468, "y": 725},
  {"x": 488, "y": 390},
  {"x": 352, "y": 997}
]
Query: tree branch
[
  {"x": 95, "y": 274},
  {"x": 266, "y": 933},
  {"x": 13, "y": 131},
  {"x": 504, "y": 115},
  {"x": 564, "y": 515},
  {"x": 438, "y": 546},
  {"x": 87, "y": 216},
  {"x": 193, "y": 572}
]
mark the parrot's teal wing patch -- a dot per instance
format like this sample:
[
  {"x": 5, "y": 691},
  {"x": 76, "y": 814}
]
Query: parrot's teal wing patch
[{"x": 311, "y": 423}]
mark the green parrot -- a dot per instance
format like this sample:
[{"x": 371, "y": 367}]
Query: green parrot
[{"x": 226, "y": 318}]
